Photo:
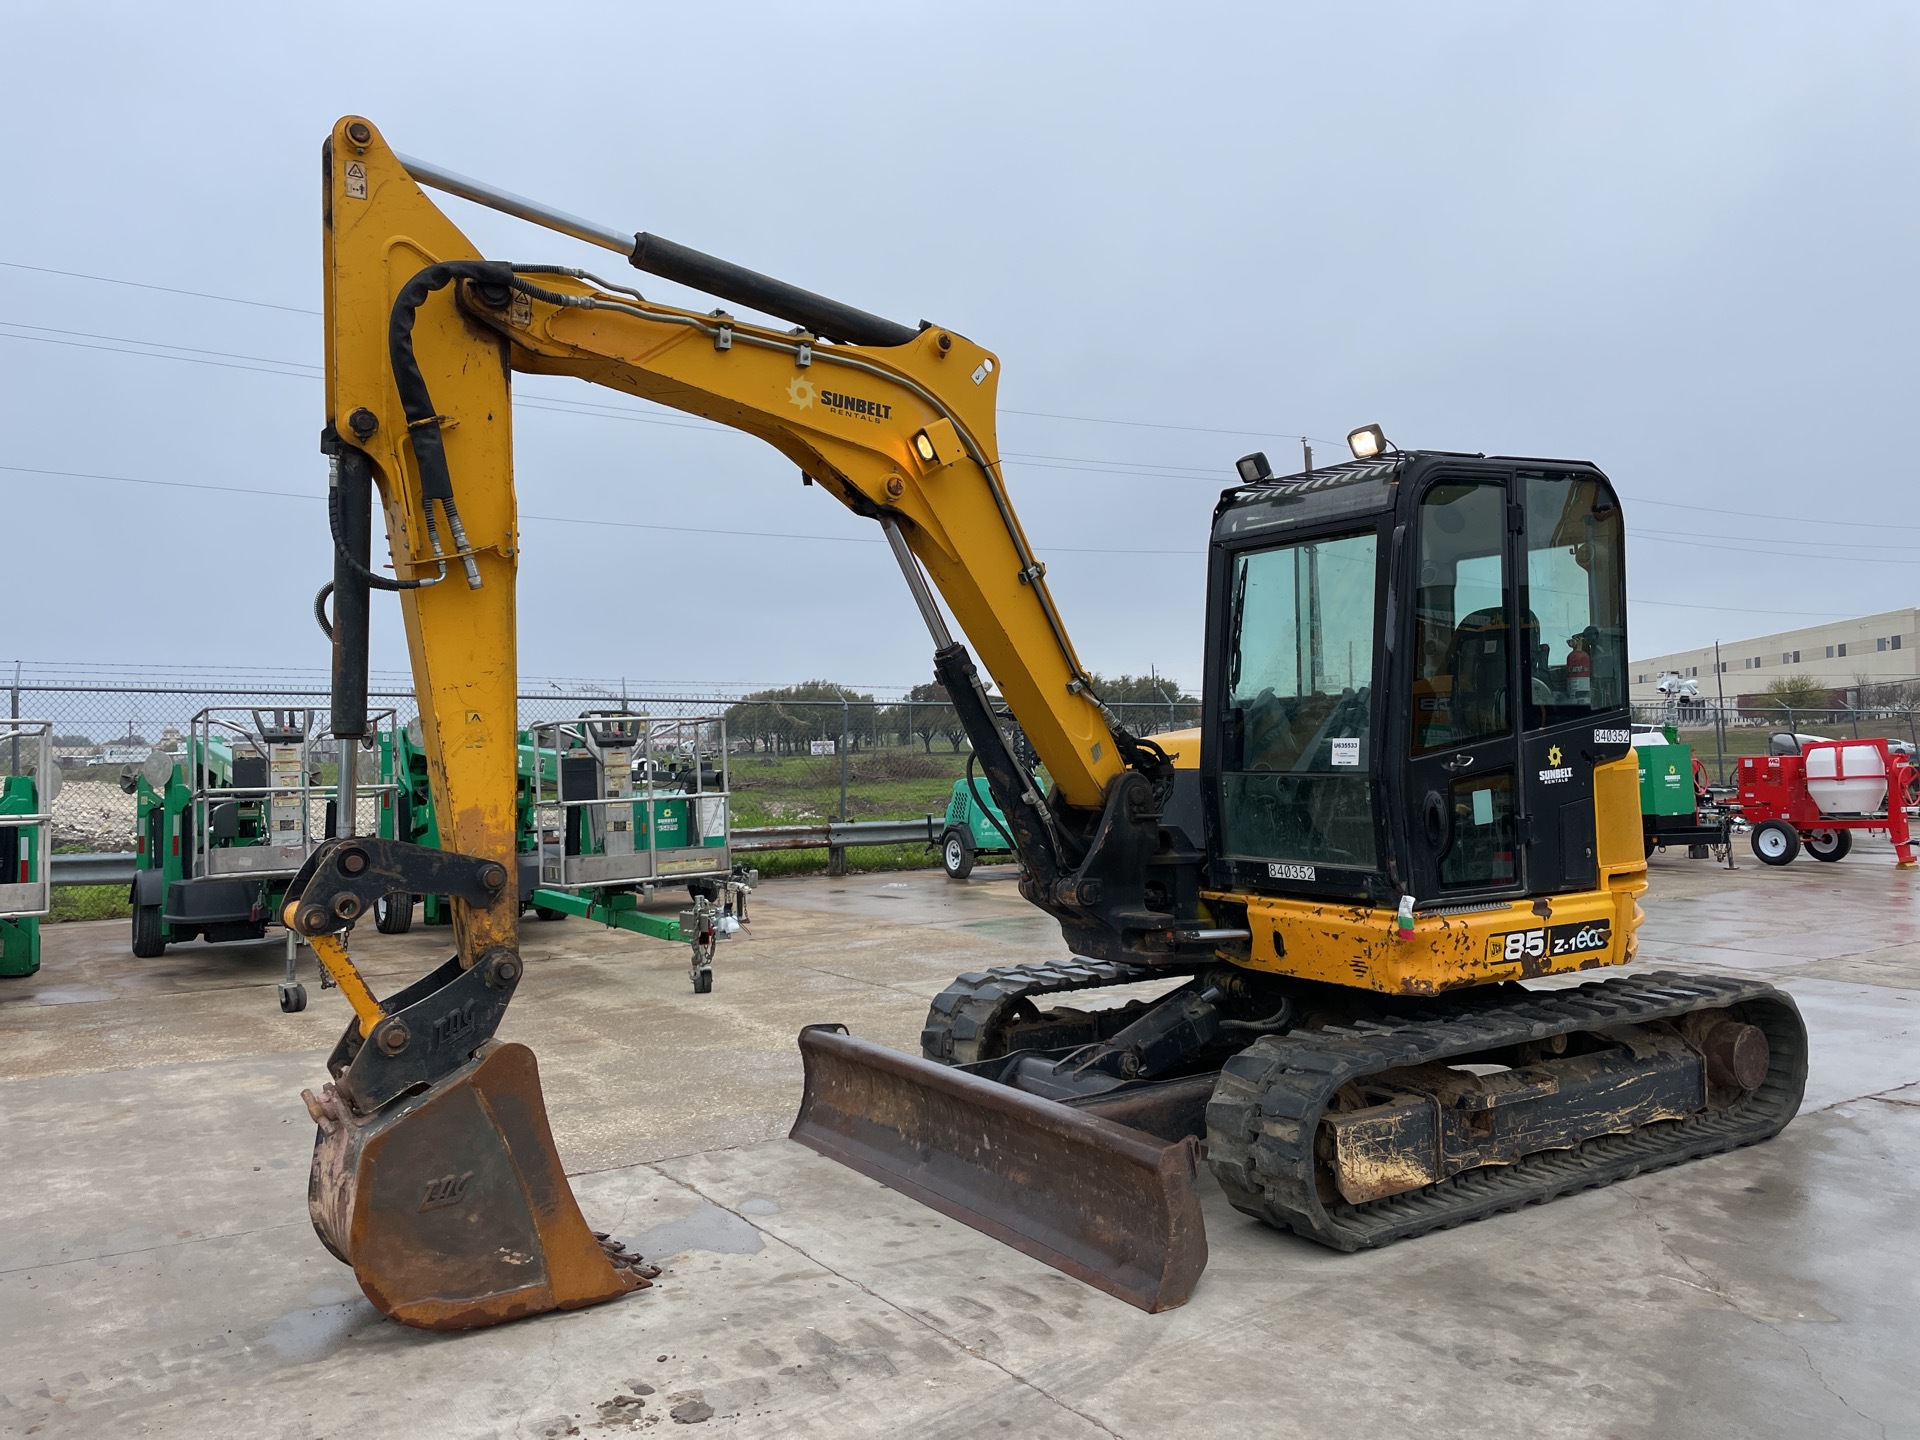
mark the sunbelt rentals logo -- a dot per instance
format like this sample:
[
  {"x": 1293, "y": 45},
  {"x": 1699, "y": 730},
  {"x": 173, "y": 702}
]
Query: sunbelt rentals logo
[{"x": 1556, "y": 773}]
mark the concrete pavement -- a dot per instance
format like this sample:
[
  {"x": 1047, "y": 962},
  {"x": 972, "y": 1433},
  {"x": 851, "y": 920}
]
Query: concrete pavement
[{"x": 158, "y": 1275}]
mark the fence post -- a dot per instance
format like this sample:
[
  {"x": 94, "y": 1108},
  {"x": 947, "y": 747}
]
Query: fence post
[{"x": 837, "y": 854}]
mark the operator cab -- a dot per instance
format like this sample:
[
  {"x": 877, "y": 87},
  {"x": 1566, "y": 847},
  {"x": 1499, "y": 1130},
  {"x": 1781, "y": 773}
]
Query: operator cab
[{"x": 1415, "y": 661}]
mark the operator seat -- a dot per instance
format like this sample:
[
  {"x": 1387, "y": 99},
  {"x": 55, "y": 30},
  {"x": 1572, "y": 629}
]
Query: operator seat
[
  {"x": 1477, "y": 661},
  {"x": 1478, "y": 665}
]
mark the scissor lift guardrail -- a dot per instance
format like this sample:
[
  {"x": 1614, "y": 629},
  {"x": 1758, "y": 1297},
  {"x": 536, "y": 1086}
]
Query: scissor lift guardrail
[{"x": 26, "y": 891}]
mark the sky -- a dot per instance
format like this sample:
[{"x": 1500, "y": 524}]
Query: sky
[{"x": 1677, "y": 241}]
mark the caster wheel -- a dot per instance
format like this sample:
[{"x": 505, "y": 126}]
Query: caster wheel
[
  {"x": 1775, "y": 842},
  {"x": 703, "y": 982},
  {"x": 293, "y": 998}
]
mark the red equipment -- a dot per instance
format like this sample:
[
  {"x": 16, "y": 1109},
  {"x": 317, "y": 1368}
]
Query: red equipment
[{"x": 1776, "y": 798}]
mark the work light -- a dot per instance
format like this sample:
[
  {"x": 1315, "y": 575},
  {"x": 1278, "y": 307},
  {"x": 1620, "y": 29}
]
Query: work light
[{"x": 1366, "y": 442}]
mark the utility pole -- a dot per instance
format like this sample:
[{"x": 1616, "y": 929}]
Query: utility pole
[
  {"x": 837, "y": 854},
  {"x": 1306, "y": 452},
  {"x": 1719, "y": 717}
]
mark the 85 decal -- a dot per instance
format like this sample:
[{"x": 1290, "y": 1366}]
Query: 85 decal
[{"x": 1548, "y": 942}]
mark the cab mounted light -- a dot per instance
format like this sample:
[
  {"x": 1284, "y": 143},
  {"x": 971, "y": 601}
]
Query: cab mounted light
[
  {"x": 923, "y": 447},
  {"x": 1367, "y": 442},
  {"x": 1253, "y": 468}
]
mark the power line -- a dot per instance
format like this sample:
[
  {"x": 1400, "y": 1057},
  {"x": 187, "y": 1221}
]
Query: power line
[
  {"x": 1843, "y": 544},
  {"x": 156, "y": 345},
  {"x": 1647, "y": 538},
  {"x": 229, "y": 360},
  {"x": 1161, "y": 425},
  {"x": 595, "y": 521},
  {"x": 153, "y": 355},
  {"x": 165, "y": 289},
  {"x": 1035, "y": 414},
  {"x": 1791, "y": 519}
]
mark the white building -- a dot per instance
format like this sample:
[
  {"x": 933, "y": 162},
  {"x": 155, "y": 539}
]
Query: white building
[{"x": 1840, "y": 655}]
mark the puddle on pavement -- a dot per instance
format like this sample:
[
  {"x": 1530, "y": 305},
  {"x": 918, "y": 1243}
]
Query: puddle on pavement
[
  {"x": 720, "y": 1232},
  {"x": 71, "y": 995},
  {"x": 302, "y": 1336}
]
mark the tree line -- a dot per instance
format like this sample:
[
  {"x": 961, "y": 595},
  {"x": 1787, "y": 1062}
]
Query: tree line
[{"x": 787, "y": 720}]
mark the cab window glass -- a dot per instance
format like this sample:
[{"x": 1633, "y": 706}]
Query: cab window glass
[
  {"x": 1296, "y": 786},
  {"x": 1461, "y": 667},
  {"x": 1575, "y": 604}
]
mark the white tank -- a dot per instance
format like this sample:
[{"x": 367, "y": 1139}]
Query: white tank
[{"x": 1845, "y": 779}]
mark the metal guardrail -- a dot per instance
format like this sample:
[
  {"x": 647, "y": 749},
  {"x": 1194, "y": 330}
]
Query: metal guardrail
[
  {"x": 117, "y": 867},
  {"x": 101, "y": 868},
  {"x": 838, "y": 834}
]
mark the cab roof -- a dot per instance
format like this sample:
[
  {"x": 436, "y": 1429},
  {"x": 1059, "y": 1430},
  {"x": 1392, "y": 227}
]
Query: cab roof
[{"x": 1353, "y": 487}]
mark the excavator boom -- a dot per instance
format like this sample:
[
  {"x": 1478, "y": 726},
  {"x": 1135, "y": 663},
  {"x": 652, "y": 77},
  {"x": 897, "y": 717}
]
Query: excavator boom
[{"x": 435, "y": 1173}]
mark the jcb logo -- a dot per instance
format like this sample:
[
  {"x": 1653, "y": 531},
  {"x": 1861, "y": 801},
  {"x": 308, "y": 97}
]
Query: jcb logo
[
  {"x": 447, "y": 1190},
  {"x": 454, "y": 1026}
]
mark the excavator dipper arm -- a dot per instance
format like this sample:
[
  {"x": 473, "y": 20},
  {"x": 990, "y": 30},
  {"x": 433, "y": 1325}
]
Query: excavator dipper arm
[{"x": 435, "y": 1174}]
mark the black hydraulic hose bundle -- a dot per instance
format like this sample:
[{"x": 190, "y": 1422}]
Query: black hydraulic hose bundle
[{"x": 993, "y": 816}]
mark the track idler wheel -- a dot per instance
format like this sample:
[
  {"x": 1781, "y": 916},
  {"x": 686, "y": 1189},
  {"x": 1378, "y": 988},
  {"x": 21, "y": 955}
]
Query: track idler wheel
[{"x": 451, "y": 1206}]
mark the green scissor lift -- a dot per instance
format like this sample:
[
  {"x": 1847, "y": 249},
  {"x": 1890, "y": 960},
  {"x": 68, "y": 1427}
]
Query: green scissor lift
[
  {"x": 223, "y": 830},
  {"x": 593, "y": 842},
  {"x": 26, "y": 819}
]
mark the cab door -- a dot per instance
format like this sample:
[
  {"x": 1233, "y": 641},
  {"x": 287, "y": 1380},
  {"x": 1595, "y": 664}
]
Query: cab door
[
  {"x": 1573, "y": 656},
  {"x": 1464, "y": 790}
]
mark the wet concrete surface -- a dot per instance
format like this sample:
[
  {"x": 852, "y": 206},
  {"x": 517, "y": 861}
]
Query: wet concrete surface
[{"x": 158, "y": 1275}]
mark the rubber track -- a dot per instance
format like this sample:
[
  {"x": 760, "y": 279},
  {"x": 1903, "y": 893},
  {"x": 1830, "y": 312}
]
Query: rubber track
[
  {"x": 966, "y": 1014},
  {"x": 1266, "y": 1109}
]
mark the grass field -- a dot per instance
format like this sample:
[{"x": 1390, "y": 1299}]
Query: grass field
[
  {"x": 887, "y": 784},
  {"x": 1752, "y": 739}
]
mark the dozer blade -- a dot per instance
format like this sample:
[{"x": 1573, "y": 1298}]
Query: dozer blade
[
  {"x": 452, "y": 1207},
  {"x": 1105, "y": 1203}
]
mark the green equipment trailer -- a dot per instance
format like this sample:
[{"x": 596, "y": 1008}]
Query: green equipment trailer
[
  {"x": 1672, "y": 811},
  {"x": 973, "y": 827},
  {"x": 26, "y": 820}
]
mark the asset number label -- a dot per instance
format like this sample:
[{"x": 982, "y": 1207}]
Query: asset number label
[
  {"x": 1278, "y": 871},
  {"x": 1548, "y": 942}
]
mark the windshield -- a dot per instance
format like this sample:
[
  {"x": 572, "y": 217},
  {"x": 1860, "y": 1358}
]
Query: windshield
[{"x": 1300, "y": 697}]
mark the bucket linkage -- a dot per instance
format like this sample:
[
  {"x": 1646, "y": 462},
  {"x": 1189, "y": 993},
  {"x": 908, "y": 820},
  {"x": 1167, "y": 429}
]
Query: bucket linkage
[{"x": 434, "y": 1170}]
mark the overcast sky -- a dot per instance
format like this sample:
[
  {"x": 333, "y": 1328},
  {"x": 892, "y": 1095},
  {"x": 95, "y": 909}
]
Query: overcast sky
[{"x": 1679, "y": 241}]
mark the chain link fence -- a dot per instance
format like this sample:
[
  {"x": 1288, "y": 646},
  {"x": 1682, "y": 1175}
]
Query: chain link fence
[
  {"x": 1721, "y": 733},
  {"x": 792, "y": 761}
]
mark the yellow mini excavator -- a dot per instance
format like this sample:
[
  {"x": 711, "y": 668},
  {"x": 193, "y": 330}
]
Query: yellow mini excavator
[{"x": 1412, "y": 792}]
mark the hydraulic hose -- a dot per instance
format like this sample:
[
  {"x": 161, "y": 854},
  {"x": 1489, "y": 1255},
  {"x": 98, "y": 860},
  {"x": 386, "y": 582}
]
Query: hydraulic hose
[
  {"x": 423, "y": 422},
  {"x": 993, "y": 819}
]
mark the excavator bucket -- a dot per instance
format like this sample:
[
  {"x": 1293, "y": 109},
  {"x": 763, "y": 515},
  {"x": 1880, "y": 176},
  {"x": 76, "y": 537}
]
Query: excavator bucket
[
  {"x": 451, "y": 1205},
  {"x": 1106, "y": 1203}
]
